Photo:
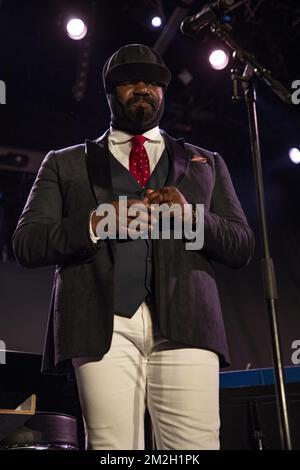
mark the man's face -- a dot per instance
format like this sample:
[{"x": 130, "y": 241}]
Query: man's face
[{"x": 140, "y": 101}]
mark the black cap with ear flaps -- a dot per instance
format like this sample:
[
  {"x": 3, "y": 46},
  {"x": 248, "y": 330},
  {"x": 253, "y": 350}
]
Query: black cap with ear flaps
[{"x": 135, "y": 62}]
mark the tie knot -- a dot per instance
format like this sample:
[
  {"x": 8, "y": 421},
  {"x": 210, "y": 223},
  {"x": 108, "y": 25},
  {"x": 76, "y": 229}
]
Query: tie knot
[{"x": 138, "y": 140}]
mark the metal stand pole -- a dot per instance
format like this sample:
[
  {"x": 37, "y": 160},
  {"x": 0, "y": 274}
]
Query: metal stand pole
[
  {"x": 267, "y": 266},
  {"x": 255, "y": 69}
]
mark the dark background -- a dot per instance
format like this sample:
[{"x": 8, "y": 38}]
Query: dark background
[{"x": 48, "y": 108}]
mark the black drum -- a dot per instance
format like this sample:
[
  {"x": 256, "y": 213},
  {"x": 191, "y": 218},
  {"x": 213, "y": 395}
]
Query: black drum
[{"x": 44, "y": 431}]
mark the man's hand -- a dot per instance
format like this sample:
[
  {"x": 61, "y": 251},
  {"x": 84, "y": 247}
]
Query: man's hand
[
  {"x": 138, "y": 211},
  {"x": 170, "y": 195}
]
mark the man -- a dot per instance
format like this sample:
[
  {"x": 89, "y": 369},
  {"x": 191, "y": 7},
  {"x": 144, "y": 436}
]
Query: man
[{"x": 139, "y": 319}]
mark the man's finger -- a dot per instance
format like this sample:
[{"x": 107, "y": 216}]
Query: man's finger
[
  {"x": 137, "y": 202},
  {"x": 155, "y": 197},
  {"x": 167, "y": 189}
]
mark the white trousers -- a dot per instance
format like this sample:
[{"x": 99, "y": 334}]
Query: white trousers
[{"x": 178, "y": 384}]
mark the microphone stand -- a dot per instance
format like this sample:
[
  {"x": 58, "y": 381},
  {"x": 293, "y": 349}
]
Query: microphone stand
[{"x": 252, "y": 71}]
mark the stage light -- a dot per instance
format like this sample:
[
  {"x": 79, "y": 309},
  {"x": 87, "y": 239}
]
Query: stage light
[
  {"x": 76, "y": 29},
  {"x": 294, "y": 155},
  {"x": 149, "y": 13},
  {"x": 218, "y": 59},
  {"x": 156, "y": 21}
]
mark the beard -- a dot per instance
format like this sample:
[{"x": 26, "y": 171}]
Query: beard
[{"x": 137, "y": 115}]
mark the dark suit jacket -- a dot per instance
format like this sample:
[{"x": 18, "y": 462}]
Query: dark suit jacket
[{"x": 54, "y": 230}]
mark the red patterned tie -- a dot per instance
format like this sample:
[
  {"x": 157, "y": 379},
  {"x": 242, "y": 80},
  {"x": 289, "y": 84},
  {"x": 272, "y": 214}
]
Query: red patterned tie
[{"x": 139, "y": 165}]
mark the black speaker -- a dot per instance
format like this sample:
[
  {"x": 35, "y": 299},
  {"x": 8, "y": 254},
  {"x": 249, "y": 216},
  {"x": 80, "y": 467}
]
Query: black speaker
[{"x": 249, "y": 418}]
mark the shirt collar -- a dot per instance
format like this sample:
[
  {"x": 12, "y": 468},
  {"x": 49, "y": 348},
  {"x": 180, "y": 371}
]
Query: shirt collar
[{"x": 120, "y": 137}]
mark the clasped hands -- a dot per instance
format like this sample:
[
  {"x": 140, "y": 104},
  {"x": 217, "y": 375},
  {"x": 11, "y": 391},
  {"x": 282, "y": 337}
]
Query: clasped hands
[{"x": 146, "y": 211}]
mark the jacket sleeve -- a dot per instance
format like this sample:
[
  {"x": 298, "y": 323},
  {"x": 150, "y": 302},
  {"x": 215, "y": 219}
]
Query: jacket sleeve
[
  {"x": 228, "y": 238},
  {"x": 43, "y": 236}
]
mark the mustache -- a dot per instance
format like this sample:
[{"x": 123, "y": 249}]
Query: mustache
[{"x": 142, "y": 98}]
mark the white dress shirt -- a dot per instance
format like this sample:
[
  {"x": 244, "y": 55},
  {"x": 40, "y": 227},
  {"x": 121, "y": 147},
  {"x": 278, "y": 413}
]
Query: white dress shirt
[{"x": 119, "y": 145}]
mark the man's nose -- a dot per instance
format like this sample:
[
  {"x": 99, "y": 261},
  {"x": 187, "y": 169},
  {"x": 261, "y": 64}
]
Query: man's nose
[{"x": 141, "y": 88}]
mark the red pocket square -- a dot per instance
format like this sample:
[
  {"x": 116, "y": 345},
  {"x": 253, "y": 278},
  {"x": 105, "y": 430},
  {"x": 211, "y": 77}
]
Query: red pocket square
[{"x": 199, "y": 158}]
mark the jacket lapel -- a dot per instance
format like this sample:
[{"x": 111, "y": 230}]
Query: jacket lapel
[
  {"x": 98, "y": 167},
  {"x": 179, "y": 159},
  {"x": 97, "y": 161}
]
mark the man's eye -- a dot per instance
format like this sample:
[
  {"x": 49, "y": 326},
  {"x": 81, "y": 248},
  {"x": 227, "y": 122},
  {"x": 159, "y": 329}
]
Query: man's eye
[
  {"x": 130, "y": 82},
  {"x": 134, "y": 82}
]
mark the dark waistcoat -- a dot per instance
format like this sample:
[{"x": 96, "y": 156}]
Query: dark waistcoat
[{"x": 133, "y": 261}]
